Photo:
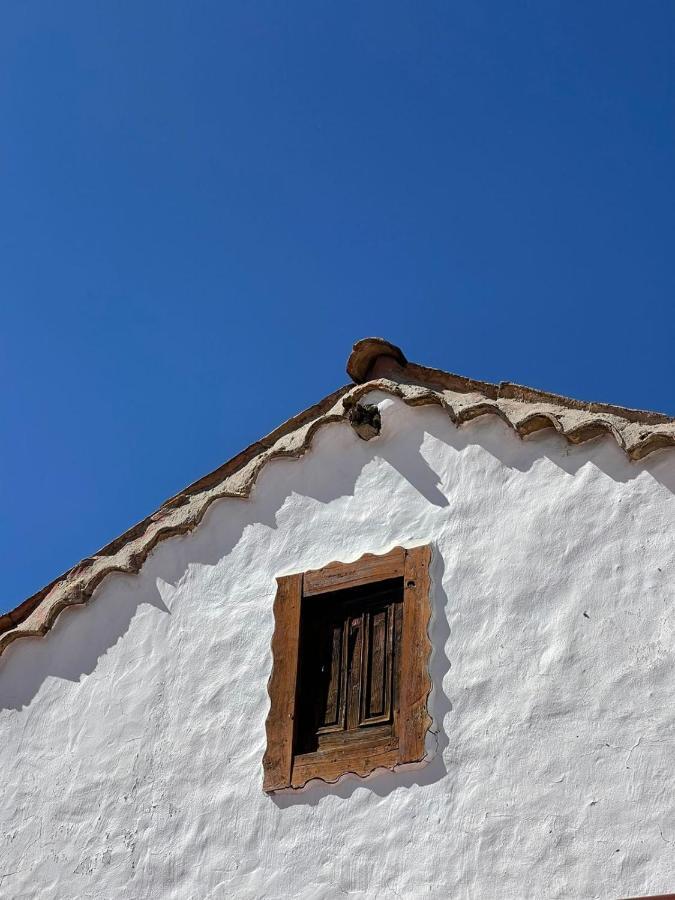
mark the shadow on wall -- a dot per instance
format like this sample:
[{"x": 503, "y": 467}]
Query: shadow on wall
[
  {"x": 72, "y": 649},
  {"x": 313, "y": 478},
  {"x": 82, "y": 635},
  {"x": 384, "y": 782}
]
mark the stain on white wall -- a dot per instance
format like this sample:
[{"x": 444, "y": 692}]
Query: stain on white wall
[{"x": 131, "y": 737}]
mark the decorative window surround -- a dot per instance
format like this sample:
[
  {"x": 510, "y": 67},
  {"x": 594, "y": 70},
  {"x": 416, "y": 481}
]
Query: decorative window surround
[{"x": 366, "y": 741}]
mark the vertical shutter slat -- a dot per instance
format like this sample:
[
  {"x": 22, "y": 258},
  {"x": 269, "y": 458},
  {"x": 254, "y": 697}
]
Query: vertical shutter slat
[
  {"x": 380, "y": 661},
  {"x": 334, "y": 676},
  {"x": 355, "y": 635}
]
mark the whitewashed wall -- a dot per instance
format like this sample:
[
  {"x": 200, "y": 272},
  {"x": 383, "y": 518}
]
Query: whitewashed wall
[{"x": 131, "y": 738}]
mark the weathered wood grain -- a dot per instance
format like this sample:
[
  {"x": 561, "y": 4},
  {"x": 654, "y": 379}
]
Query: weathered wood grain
[
  {"x": 338, "y": 576},
  {"x": 278, "y": 758},
  {"x": 416, "y": 649}
]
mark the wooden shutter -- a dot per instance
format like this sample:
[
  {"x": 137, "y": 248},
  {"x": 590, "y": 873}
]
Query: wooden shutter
[
  {"x": 349, "y": 661},
  {"x": 381, "y": 631}
]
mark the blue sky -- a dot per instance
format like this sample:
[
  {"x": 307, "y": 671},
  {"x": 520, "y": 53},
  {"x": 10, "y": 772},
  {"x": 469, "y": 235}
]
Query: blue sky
[{"x": 203, "y": 204}]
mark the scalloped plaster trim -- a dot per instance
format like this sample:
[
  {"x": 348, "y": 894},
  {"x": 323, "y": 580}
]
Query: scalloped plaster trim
[{"x": 573, "y": 420}]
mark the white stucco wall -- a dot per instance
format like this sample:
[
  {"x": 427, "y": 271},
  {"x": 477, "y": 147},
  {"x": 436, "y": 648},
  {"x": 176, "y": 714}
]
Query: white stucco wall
[{"x": 131, "y": 737}]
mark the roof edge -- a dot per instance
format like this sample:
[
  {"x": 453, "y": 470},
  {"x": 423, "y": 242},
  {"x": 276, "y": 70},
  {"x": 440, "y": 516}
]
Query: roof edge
[
  {"x": 383, "y": 367},
  {"x": 375, "y": 356}
]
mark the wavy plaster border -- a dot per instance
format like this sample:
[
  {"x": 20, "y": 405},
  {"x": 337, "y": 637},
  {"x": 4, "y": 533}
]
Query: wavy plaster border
[
  {"x": 523, "y": 409},
  {"x": 413, "y": 566}
]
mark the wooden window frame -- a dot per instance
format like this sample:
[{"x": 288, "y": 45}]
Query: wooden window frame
[{"x": 285, "y": 769}]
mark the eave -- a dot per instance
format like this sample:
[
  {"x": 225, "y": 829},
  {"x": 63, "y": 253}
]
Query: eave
[{"x": 374, "y": 365}]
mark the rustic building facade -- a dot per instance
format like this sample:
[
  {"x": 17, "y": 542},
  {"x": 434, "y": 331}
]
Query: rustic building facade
[{"x": 418, "y": 642}]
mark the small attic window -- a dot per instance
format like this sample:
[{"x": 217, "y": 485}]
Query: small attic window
[
  {"x": 350, "y": 661},
  {"x": 349, "y": 683}
]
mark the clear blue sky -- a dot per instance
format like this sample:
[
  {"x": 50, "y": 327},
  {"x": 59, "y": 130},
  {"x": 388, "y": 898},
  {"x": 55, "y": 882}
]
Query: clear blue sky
[{"x": 204, "y": 203}]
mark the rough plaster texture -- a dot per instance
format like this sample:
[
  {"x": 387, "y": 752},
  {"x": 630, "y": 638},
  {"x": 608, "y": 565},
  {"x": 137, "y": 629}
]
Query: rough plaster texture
[{"x": 131, "y": 736}]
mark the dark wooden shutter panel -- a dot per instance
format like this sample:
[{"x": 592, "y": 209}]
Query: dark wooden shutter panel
[
  {"x": 379, "y": 663},
  {"x": 349, "y": 655},
  {"x": 334, "y": 667}
]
